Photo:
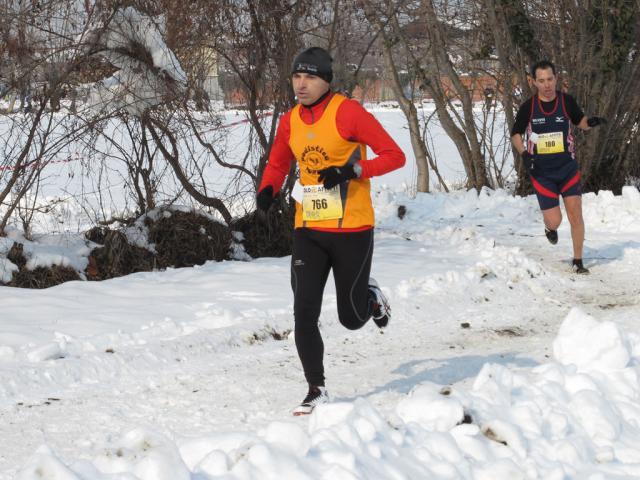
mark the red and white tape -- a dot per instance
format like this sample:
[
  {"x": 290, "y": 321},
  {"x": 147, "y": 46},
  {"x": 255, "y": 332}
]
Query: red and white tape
[
  {"x": 38, "y": 163},
  {"x": 77, "y": 156}
]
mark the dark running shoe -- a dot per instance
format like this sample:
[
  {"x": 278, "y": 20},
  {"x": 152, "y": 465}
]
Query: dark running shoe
[
  {"x": 552, "y": 235},
  {"x": 316, "y": 396},
  {"x": 578, "y": 267},
  {"x": 381, "y": 308}
]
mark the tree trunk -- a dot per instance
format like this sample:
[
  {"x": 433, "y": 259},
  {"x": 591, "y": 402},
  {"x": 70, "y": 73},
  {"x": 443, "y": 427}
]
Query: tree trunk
[{"x": 411, "y": 114}]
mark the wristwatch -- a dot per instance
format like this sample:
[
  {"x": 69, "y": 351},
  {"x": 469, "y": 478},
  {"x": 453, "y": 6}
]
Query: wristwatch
[{"x": 357, "y": 169}]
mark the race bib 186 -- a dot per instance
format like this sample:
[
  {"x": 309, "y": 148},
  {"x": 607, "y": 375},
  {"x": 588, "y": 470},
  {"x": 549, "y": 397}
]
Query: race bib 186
[
  {"x": 552, "y": 142},
  {"x": 321, "y": 204}
]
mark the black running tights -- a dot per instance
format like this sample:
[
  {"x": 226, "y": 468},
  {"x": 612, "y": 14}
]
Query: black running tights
[{"x": 314, "y": 254}]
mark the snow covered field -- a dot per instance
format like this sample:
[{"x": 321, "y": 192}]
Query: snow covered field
[{"x": 498, "y": 363}]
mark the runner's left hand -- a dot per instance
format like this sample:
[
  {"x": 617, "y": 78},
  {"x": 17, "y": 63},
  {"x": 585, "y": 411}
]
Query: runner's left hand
[
  {"x": 332, "y": 176},
  {"x": 264, "y": 199},
  {"x": 595, "y": 121}
]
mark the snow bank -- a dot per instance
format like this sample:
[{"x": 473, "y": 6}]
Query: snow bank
[
  {"x": 574, "y": 417},
  {"x": 620, "y": 213},
  {"x": 7, "y": 268},
  {"x": 67, "y": 250},
  {"x": 591, "y": 345}
]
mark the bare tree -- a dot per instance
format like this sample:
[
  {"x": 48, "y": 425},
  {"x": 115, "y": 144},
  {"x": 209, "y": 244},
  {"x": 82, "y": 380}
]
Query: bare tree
[
  {"x": 35, "y": 37},
  {"x": 386, "y": 22},
  {"x": 416, "y": 29}
]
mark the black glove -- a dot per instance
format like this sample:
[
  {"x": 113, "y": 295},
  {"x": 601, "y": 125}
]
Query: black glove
[
  {"x": 529, "y": 161},
  {"x": 595, "y": 121},
  {"x": 264, "y": 199},
  {"x": 332, "y": 176}
]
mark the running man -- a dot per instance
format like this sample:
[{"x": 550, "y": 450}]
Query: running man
[
  {"x": 327, "y": 135},
  {"x": 549, "y": 156}
]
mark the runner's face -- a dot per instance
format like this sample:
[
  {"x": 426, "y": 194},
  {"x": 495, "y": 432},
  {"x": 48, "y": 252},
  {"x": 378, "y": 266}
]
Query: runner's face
[
  {"x": 545, "y": 82},
  {"x": 308, "y": 88}
]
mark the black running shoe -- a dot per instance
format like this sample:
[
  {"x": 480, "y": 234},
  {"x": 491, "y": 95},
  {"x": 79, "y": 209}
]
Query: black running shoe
[
  {"x": 381, "y": 308},
  {"x": 552, "y": 235},
  {"x": 578, "y": 267},
  {"x": 316, "y": 396}
]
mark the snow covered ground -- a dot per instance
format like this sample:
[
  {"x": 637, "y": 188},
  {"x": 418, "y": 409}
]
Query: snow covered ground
[{"x": 498, "y": 363}]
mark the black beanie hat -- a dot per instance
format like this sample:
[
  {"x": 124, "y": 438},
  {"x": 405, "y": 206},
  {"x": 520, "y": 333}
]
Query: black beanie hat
[{"x": 315, "y": 61}]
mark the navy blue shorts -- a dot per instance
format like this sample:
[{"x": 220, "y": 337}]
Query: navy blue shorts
[{"x": 549, "y": 185}]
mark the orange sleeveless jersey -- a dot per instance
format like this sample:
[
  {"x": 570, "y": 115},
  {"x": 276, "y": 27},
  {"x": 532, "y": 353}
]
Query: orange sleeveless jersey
[{"x": 319, "y": 146}]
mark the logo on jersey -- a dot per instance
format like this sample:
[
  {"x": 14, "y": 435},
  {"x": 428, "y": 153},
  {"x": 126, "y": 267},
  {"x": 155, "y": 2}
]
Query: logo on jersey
[
  {"x": 539, "y": 120},
  {"x": 313, "y": 157},
  {"x": 559, "y": 119}
]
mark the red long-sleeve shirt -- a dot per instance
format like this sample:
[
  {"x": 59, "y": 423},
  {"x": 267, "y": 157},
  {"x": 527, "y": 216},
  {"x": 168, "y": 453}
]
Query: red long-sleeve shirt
[{"x": 354, "y": 123}]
